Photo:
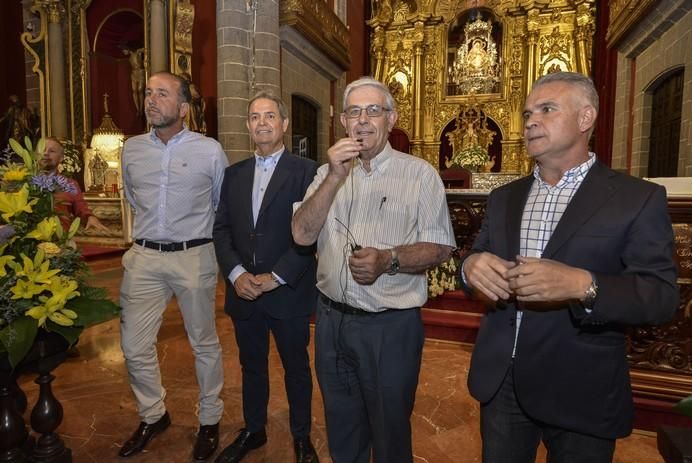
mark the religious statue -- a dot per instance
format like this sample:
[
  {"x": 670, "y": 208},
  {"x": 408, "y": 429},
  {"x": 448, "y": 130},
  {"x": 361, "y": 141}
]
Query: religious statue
[
  {"x": 195, "y": 116},
  {"x": 470, "y": 141},
  {"x": 470, "y": 138},
  {"x": 97, "y": 169},
  {"x": 477, "y": 58},
  {"x": 476, "y": 65},
  {"x": 137, "y": 77},
  {"x": 16, "y": 122}
]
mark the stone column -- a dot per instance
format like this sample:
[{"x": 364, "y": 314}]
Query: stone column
[
  {"x": 56, "y": 71},
  {"x": 158, "y": 42},
  {"x": 248, "y": 59}
]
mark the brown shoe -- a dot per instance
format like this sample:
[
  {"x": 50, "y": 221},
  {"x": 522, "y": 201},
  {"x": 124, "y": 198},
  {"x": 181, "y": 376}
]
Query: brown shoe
[
  {"x": 144, "y": 433},
  {"x": 207, "y": 442}
]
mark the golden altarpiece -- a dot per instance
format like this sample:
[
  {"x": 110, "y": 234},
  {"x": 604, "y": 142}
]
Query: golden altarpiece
[
  {"x": 460, "y": 71},
  {"x": 441, "y": 57},
  {"x": 65, "y": 42}
]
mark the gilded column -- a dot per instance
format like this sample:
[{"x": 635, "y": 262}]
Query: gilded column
[
  {"x": 584, "y": 36},
  {"x": 418, "y": 80},
  {"x": 158, "y": 40},
  {"x": 532, "y": 42},
  {"x": 56, "y": 70},
  {"x": 377, "y": 50}
]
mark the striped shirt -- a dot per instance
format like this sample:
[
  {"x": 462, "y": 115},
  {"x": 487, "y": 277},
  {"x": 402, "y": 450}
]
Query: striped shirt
[
  {"x": 400, "y": 201},
  {"x": 173, "y": 188},
  {"x": 543, "y": 210}
]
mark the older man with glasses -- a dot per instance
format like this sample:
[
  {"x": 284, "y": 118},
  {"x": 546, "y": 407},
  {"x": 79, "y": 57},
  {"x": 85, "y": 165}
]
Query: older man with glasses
[{"x": 380, "y": 219}]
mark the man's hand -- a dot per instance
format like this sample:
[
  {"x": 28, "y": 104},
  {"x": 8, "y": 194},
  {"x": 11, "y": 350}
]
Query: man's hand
[
  {"x": 248, "y": 286},
  {"x": 368, "y": 264},
  {"x": 94, "y": 222},
  {"x": 340, "y": 155},
  {"x": 267, "y": 283},
  {"x": 547, "y": 280},
  {"x": 487, "y": 273}
]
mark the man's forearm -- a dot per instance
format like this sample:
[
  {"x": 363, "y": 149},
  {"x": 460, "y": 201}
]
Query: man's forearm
[
  {"x": 416, "y": 258},
  {"x": 311, "y": 215}
]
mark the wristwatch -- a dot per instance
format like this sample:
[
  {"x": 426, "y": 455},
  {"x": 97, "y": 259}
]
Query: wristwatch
[
  {"x": 394, "y": 265},
  {"x": 590, "y": 294}
]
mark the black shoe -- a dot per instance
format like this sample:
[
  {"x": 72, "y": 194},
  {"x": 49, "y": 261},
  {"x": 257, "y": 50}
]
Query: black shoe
[
  {"x": 144, "y": 433},
  {"x": 305, "y": 452},
  {"x": 207, "y": 442},
  {"x": 242, "y": 444}
]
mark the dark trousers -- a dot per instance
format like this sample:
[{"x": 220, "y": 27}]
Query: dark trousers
[
  {"x": 292, "y": 337},
  {"x": 367, "y": 367},
  {"x": 511, "y": 436}
]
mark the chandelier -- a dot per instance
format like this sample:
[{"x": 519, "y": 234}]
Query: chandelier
[{"x": 476, "y": 66}]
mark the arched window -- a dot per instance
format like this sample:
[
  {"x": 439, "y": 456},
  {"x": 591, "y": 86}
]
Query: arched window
[{"x": 666, "y": 112}]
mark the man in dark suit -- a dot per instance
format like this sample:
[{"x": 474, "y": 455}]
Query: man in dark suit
[
  {"x": 567, "y": 258},
  {"x": 272, "y": 279}
]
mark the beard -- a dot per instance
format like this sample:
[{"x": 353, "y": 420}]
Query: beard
[{"x": 159, "y": 120}]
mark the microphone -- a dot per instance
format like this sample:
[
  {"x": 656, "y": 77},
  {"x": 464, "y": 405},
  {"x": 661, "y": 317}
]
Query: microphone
[{"x": 382, "y": 201}]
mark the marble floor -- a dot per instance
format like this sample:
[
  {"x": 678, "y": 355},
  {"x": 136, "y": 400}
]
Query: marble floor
[{"x": 99, "y": 412}]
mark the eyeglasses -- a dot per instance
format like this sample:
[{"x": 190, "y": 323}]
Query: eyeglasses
[{"x": 372, "y": 110}]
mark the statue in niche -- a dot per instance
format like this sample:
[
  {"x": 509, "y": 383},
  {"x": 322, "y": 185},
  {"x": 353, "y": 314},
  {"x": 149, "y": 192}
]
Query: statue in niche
[
  {"x": 97, "y": 168},
  {"x": 195, "y": 116},
  {"x": 478, "y": 58},
  {"x": 137, "y": 77}
]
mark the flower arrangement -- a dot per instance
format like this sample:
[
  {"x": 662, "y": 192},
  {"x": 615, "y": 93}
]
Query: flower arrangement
[
  {"x": 42, "y": 276},
  {"x": 442, "y": 278},
  {"x": 471, "y": 156},
  {"x": 71, "y": 164}
]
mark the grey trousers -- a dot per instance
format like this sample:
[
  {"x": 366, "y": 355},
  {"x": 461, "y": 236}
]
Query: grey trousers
[{"x": 367, "y": 367}]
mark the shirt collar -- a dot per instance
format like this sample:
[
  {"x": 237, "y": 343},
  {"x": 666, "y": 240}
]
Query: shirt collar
[
  {"x": 270, "y": 160},
  {"x": 174, "y": 139},
  {"x": 379, "y": 163},
  {"x": 574, "y": 175}
]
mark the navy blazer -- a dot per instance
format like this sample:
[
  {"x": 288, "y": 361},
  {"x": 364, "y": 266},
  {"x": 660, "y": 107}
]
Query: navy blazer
[
  {"x": 268, "y": 245},
  {"x": 570, "y": 369}
]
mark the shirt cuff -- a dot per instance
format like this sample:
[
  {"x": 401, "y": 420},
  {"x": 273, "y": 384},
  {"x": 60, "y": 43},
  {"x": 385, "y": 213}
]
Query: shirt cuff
[
  {"x": 278, "y": 279},
  {"x": 236, "y": 272}
]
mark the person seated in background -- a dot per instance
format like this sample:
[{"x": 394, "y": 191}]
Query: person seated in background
[{"x": 67, "y": 205}]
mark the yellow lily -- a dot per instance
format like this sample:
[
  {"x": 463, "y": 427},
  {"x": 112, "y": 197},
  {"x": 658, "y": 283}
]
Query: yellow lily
[
  {"x": 15, "y": 174},
  {"x": 34, "y": 276},
  {"x": 12, "y": 204},
  {"x": 3, "y": 261},
  {"x": 62, "y": 289},
  {"x": 53, "y": 307},
  {"x": 26, "y": 289},
  {"x": 45, "y": 229}
]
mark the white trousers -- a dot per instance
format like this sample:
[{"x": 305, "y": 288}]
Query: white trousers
[{"x": 150, "y": 279}]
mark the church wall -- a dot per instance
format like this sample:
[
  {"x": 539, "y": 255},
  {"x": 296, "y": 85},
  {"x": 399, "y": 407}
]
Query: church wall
[
  {"x": 639, "y": 65},
  {"x": 299, "y": 78}
]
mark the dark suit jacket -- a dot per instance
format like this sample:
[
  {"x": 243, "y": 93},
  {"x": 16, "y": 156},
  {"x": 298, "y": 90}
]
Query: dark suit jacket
[
  {"x": 267, "y": 246},
  {"x": 570, "y": 368}
]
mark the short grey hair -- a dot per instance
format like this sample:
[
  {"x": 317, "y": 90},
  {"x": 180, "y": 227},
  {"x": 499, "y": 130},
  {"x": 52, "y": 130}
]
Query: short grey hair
[
  {"x": 367, "y": 81},
  {"x": 269, "y": 95},
  {"x": 575, "y": 79}
]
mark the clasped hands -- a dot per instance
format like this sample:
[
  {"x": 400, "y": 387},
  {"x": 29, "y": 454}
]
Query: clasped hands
[
  {"x": 528, "y": 279},
  {"x": 250, "y": 287}
]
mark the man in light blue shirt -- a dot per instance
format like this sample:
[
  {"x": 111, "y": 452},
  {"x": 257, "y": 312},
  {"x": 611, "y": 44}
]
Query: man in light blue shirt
[{"x": 172, "y": 179}]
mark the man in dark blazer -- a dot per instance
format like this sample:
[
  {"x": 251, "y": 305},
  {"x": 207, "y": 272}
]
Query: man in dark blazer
[
  {"x": 272, "y": 280},
  {"x": 567, "y": 258}
]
